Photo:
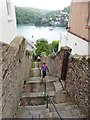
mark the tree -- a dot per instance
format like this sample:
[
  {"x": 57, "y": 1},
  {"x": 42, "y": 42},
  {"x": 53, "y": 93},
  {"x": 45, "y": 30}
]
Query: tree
[
  {"x": 66, "y": 9},
  {"x": 54, "y": 46},
  {"x": 42, "y": 46}
]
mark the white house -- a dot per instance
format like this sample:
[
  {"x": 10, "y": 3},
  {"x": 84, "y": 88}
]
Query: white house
[
  {"x": 30, "y": 45},
  {"x": 7, "y": 21},
  {"x": 78, "y": 34},
  {"x": 79, "y": 27}
]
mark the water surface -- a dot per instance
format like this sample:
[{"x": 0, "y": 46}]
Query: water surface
[{"x": 33, "y": 33}]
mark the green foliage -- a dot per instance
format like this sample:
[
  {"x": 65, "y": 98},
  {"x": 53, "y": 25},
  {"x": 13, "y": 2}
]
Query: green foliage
[
  {"x": 29, "y": 15},
  {"x": 54, "y": 45},
  {"x": 62, "y": 48},
  {"x": 75, "y": 59},
  {"x": 42, "y": 46},
  {"x": 28, "y": 53},
  {"x": 43, "y": 54},
  {"x": 88, "y": 60},
  {"x": 33, "y": 65},
  {"x": 50, "y": 48},
  {"x": 66, "y": 9},
  {"x": 38, "y": 17},
  {"x": 53, "y": 14}
]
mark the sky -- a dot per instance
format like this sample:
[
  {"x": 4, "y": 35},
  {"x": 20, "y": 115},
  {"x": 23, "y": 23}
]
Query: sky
[{"x": 43, "y": 4}]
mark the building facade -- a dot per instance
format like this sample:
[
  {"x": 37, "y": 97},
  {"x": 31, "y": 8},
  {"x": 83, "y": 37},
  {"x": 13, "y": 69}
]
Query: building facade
[
  {"x": 78, "y": 35},
  {"x": 7, "y": 21}
]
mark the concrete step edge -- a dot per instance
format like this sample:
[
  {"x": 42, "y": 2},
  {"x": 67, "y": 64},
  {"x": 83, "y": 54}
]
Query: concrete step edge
[
  {"x": 28, "y": 107},
  {"x": 47, "y": 77},
  {"x": 58, "y": 86},
  {"x": 54, "y": 115},
  {"x": 64, "y": 104},
  {"x": 37, "y": 94},
  {"x": 38, "y": 81}
]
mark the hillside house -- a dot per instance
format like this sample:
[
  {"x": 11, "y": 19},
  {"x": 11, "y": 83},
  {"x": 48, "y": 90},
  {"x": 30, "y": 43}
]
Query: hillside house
[
  {"x": 7, "y": 21},
  {"x": 30, "y": 45},
  {"x": 78, "y": 36}
]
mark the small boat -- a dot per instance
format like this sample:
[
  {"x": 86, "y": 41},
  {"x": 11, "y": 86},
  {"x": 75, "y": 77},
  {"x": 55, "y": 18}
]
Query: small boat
[{"x": 50, "y": 28}]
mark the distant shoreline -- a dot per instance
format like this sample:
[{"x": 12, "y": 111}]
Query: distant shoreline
[{"x": 39, "y": 26}]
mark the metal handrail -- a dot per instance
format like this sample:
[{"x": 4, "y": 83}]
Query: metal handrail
[
  {"x": 47, "y": 96},
  {"x": 54, "y": 107}
]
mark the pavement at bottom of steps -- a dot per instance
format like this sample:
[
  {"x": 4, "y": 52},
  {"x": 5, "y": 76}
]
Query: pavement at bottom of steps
[
  {"x": 66, "y": 110},
  {"x": 39, "y": 111}
]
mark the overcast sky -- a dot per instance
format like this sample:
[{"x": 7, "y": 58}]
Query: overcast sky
[{"x": 43, "y": 4}]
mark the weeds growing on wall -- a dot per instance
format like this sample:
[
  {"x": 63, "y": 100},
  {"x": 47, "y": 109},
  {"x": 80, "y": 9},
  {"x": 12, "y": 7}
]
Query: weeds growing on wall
[{"x": 28, "y": 53}]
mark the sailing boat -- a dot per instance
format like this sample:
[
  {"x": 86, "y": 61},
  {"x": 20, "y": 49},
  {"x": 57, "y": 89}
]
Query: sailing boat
[{"x": 50, "y": 28}]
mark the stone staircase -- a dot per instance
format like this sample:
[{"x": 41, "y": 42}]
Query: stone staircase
[{"x": 33, "y": 104}]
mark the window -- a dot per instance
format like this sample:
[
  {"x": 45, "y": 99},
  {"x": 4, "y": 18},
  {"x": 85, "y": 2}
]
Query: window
[
  {"x": 9, "y": 13},
  {"x": 75, "y": 44},
  {"x": 88, "y": 21}
]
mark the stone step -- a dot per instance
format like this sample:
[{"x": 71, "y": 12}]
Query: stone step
[
  {"x": 62, "y": 96},
  {"x": 33, "y": 79},
  {"x": 38, "y": 79},
  {"x": 35, "y": 72},
  {"x": 38, "y": 87},
  {"x": 50, "y": 78},
  {"x": 35, "y": 98},
  {"x": 54, "y": 115},
  {"x": 37, "y": 94},
  {"x": 36, "y": 64},
  {"x": 66, "y": 110},
  {"x": 39, "y": 111},
  {"x": 39, "y": 107},
  {"x": 45, "y": 114},
  {"x": 58, "y": 86},
  {"x": 67, "y": 115},
  {"x": 62, "y": 106}
]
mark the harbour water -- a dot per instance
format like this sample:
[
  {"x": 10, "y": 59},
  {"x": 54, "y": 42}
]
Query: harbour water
[{"x": 33, "y": 33}]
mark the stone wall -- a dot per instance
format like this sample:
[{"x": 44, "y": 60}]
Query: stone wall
[
  {"x": 0, "y": 82},
  {"x": 77, "y": 81},
  {"x": 55, "y": 64},
  {"x": 15, "y": 69}
]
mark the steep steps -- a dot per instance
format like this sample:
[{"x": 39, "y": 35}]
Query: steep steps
[
  {"x": 33, "y": 104},
  {"x": 60, "y": 95},
  {"x": 36, "y": 64},
  {"x": 37, "y": 87},
  {"x": 35, "y": 72},
  {"x": 36, "y": 96}
]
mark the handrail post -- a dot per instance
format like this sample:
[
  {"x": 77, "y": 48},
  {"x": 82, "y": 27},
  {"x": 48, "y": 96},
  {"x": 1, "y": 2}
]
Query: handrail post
[
  {"x": 45, "y": 87},
  {"x": 47, "y": 97},
  {"x": 46, "y": 101},
  {"x": 46, "y": 94}
]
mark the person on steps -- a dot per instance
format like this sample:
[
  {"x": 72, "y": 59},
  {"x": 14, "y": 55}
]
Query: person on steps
[
  {"x": 44, "y": 68},
  {"x": 38, "y": 58}
]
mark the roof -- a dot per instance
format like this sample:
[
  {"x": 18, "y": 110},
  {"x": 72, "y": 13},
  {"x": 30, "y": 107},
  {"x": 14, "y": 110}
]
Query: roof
[
  {"x": 30, "y": 43},
  {"x": 67, "y": 48}
]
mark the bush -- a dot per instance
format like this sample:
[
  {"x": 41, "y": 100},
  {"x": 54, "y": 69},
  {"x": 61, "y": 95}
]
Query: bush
[{"x": 28, "y": 53}]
